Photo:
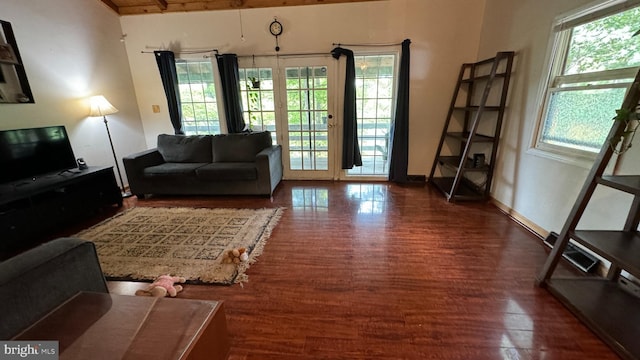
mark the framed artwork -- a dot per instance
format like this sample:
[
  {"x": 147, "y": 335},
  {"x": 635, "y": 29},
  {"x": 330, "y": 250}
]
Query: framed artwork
[{"x": 7, "y": 55}]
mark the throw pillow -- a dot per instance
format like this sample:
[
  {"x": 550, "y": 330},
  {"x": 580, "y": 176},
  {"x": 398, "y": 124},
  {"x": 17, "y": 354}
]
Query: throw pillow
[
  {"x": 185, "y": 149},
  {"x": 239, "y": 147}
]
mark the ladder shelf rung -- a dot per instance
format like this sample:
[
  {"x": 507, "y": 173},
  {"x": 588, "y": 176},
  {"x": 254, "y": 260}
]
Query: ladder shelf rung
[
  {"x": 466, "y": 190},
  {"x": 619, "y": 247},
  {"x": 464, "y": 136},
  {"x": 482, "y": 77},
  {"x": 454, "y": 162},
  {"x": 626, "y": 183},
  {"x": 476, "y": 108}
]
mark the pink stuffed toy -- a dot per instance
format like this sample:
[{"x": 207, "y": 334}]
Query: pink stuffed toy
[{"x": 163, "y": 285}]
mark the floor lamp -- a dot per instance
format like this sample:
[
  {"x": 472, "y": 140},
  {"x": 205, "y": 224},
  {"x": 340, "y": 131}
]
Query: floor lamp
[{"x": 101, "y": 107}]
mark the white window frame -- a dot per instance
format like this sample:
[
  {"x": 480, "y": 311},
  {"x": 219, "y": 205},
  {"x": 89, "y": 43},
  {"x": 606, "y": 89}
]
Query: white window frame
[
  {"x": 556, "y": 55},
  {"x": 217, "y": 85}
]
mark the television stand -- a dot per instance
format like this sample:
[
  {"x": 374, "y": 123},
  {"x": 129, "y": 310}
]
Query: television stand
[{"x": 33, "y": 207}]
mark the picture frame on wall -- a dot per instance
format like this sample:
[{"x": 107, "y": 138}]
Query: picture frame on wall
[{"x": 7, "y": 55}]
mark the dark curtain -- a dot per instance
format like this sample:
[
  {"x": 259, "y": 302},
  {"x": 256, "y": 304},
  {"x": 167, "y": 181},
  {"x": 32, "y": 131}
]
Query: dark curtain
[
  {"x": 350, "y": 150},
  {"x": 400, "y": 126},
  {"x": 230, "y": 79},
  {"x": 167, "y": 67}
]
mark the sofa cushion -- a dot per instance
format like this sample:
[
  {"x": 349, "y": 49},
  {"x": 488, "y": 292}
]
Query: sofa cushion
[
  {"x": 172, "y": 169},
  {"x": 185, "y": 149},
  {"x": 225, "y": 171},
  {"x": 239, "y": 147}
]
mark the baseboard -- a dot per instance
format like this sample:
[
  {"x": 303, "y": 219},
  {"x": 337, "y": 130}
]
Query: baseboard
[
  {"x": 520, "y": 219},
  {"x": 600, "y": 267}
]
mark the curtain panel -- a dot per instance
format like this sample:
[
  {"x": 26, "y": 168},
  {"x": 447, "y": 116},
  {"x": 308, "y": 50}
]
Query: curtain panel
[
  {"x": 167, "y": 66},
  {"x": 400, "y": 126},
  {"x": 230, "y": 79},
  {"x": 350, "y": 149}
]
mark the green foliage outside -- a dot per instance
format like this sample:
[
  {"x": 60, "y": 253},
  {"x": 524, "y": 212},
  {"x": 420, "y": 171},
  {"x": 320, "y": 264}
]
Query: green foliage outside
[
  {"x": 605, "y": 44},
  {"x": 582, "y": 119}
]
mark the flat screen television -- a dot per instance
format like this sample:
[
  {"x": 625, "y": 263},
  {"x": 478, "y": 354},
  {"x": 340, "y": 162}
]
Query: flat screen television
[{"x": 28, "y": 153}]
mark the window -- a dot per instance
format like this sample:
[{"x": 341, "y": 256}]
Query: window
[
  {"x": 375, "y": 75},
  {"x": 595, "y": 59},
  {"x": 258, "y": 103},
  {"x": 198, "y": 97}
]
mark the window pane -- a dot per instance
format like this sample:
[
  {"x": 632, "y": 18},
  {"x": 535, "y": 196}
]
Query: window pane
[
  {"x": 256, "y": 88},
  {"x": 581, "y": 119},
  {"x": 198, "y": 97},
  {"x": 588, "y": 80},
  {"x": 605, "y": 44},
  {"x": 374, "y": 99}
]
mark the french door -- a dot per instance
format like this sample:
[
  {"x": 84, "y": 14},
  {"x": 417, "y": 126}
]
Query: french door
[
  {"x": 295, "y": 101},
  {"x": 308, "y": 123}
]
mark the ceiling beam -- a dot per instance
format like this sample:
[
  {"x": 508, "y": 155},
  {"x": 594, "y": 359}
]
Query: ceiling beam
[
  {"x": 210, "y": 5},
  {"x": 162, "y": 4}
]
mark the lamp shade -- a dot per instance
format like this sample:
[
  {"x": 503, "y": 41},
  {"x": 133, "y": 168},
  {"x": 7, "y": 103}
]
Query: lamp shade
[{"x": 100, "y": 106}]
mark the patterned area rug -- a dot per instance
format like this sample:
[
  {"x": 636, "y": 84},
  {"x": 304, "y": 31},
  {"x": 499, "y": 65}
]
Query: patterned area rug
[{"x": 145, "y": 242}]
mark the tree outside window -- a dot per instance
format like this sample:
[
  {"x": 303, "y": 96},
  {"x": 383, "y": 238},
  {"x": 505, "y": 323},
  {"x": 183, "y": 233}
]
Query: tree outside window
[{"x": 594, "y": 65}]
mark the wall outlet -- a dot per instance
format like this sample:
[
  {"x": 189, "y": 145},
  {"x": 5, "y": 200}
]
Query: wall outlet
[{"x": 155, "y": 108}]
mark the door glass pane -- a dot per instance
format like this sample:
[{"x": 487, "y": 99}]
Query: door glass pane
[
  {"x": 307, "y": 111},
  {"x": 258, "y": 101},
  {"x": 374, "y": 98}
]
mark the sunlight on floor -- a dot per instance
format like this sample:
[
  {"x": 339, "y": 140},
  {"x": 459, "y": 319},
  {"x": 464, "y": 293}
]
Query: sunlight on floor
[
  {"x": 305, "y": 198},
  {"x": 372, "y": 198}
]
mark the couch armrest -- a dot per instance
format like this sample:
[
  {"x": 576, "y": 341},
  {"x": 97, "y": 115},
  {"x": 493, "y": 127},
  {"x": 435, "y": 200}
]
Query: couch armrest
[
  {"x": 38, "y": 280},
  {"x": 269, "y": 165},
  {"x": 135, "y": 164}
]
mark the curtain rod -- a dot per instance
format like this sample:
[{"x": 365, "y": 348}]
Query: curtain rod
[
  {"x": 389, "y": 44},
  {"x": 185, "y": 51},
  {"x": 285, "y": 55}
]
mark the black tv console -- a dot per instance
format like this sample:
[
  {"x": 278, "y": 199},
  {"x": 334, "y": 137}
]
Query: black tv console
[{"x": 30, "y": 208}]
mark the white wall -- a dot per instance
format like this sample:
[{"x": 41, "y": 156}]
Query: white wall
[
  {"x": 539, "y": 189},
  {"x": 444, "y": 34},
  {"x": 71, "y": 50}
]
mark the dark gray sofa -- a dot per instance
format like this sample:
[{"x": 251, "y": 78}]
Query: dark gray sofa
[
  {"x": 227, "y": 164},
  {"x": 40, "y": 279}
]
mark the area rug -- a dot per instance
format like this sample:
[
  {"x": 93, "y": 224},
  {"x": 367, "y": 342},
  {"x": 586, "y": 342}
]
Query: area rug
[{"x": 145, "y": 242}]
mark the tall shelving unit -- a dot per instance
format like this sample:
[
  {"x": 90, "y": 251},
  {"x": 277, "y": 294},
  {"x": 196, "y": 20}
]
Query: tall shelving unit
[
  {"x": 468, "y": 145},
  {"x": 610, "y": 305}
]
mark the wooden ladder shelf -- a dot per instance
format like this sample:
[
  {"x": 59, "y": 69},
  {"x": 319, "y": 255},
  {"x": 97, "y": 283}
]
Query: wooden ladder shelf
[
  {"x": 609, "y": 305},
  {"x": 467, "y": 150}
]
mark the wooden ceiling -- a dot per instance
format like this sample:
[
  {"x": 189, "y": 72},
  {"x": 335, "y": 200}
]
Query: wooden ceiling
[{"x": 137, "y": 7}]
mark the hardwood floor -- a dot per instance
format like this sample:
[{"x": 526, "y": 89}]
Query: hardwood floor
[{"x": 381, "y": 271}]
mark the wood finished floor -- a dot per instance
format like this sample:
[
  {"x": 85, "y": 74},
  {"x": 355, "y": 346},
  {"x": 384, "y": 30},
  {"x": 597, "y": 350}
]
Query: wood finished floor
[{"x": 381, "y": 271}]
